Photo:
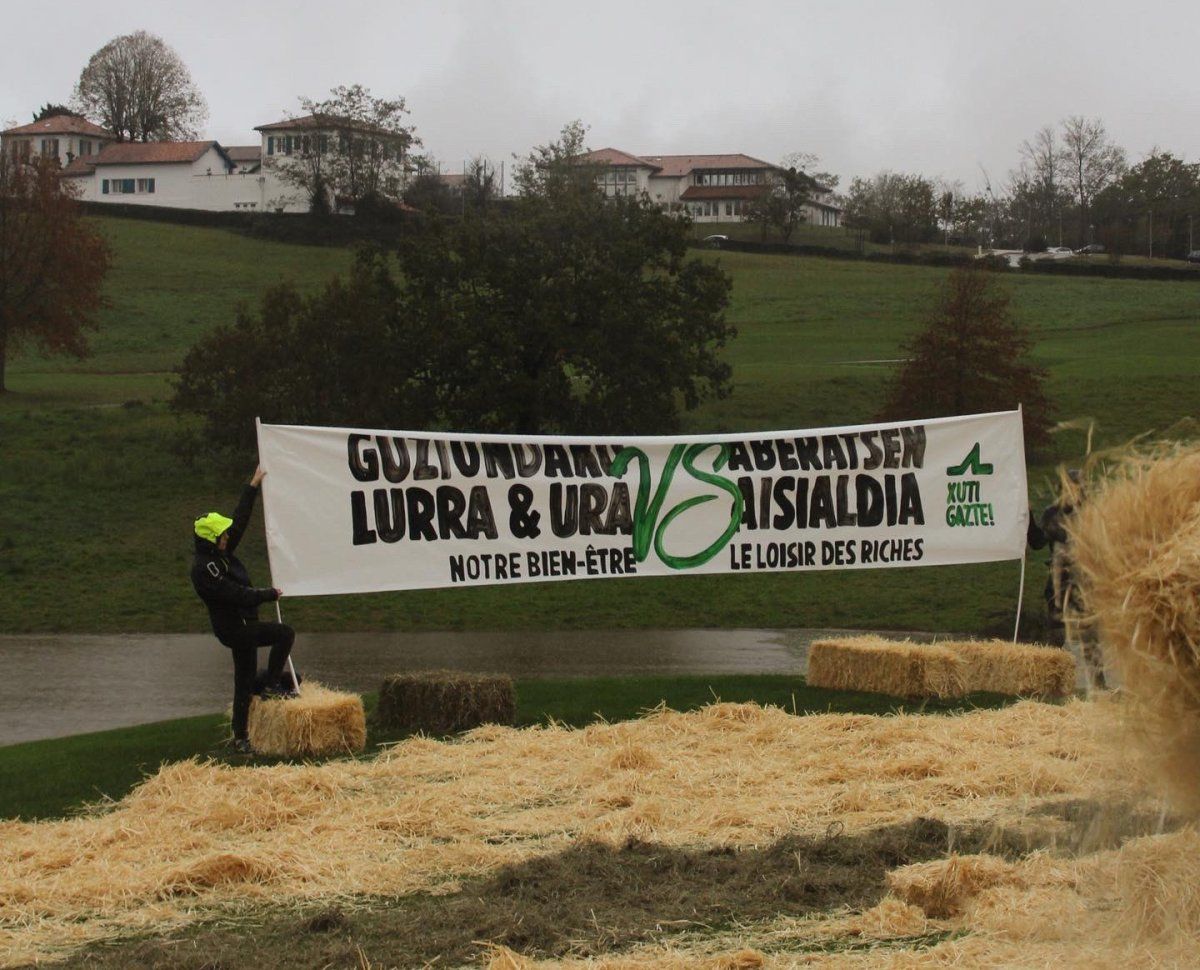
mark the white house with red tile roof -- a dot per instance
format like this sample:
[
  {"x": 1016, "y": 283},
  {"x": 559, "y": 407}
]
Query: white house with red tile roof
[
  {"x": 710, "y": 188},
  {"x": 65, "y": 137},
  {"x": 287, "y": 141},
  {"x": 175, "y": 174}
]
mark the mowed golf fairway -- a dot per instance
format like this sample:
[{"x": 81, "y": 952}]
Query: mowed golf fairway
[{"x": 96, "y": 502}]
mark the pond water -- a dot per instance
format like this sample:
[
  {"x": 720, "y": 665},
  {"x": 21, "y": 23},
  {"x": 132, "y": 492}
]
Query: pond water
[{"x": 56, "y": 685}]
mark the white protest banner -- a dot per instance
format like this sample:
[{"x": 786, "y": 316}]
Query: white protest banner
[{"x": 352, "y": 511}]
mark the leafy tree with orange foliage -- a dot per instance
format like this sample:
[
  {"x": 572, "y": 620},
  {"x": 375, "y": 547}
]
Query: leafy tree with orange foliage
[
  {"x": 52, "y": 264},
  {"x": 971, "y": 357}
]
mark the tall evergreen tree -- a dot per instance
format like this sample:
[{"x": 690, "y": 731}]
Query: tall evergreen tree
[{"x": 972, "y": 356}]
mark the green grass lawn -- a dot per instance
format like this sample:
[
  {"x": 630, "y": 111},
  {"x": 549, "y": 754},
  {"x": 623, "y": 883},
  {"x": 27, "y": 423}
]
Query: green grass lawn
[
  {"x": 95, "y": 504},
  {"x": 45, "y": 779}
]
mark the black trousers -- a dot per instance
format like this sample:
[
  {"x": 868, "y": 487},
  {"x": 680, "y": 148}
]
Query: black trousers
[{"x": 244, "y": 645}]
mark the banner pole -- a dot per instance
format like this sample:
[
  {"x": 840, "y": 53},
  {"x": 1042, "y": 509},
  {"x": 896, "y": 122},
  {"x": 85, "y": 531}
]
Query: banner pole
[
  {"x": 291, "y": 669},
  {"x": 1025, "y": 545},
  {"x": 1020, "y": 599},
  {"x": 278, "y": 611}
]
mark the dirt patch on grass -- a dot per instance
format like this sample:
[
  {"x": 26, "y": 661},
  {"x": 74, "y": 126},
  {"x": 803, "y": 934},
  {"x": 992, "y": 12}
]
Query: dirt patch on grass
[{"x": 587, "y": 900}]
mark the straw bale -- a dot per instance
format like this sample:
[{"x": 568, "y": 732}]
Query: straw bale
[
  {"x": 426, "y": 815},
  {"x": 896, "y": 667},
  {"x": 319, "y": 722},
  {"x": 445, "y": 701},
  {"x": 1136, "y": 545},
  {"x": 1016, "y": 669}
]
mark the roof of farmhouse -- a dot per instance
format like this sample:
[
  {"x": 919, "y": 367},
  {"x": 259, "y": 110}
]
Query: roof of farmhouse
[
  {"x": 697, "y": 192},
  {"x": 677, "y": 165},
  {"x": 155, "y": 152},
  {"x": 60, "y": 125},
  {"x": 614, "y": 156},
  {"x": 244, "y": 153},
  {"x": 320, "y": 122},
  {"x": 673, "y": 166},
  {"x": 79, "y": 166}
]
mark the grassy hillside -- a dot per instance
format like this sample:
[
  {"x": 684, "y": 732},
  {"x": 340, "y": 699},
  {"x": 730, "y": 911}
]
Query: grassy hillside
[{"x": 95, "y": 506}]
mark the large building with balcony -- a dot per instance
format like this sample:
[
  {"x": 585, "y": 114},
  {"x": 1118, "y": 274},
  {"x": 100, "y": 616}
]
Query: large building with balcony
[
  {"x": 65, "y": 137},
  {"x": 710, "y": 188}
]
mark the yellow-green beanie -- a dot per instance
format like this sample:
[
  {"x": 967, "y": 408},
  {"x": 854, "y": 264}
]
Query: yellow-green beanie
[{"x": 212, "y": 525}]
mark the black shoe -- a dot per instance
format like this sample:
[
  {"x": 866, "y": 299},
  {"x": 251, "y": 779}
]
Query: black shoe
[{"x": 278, "y": 692}]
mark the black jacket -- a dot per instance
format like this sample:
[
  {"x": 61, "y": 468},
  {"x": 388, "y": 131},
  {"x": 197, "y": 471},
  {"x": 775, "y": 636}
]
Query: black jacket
[{"x": 222, "y": 581}]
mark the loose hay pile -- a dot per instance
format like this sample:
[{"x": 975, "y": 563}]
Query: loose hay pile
[
  {"x": 896, "y": 667},
  {"x": 1136, "y": 542},
  {"x": 319, "y": 722},
  {"x": 200, "y": 839},
  {"x": 950, "y": 668},
  {"x": 445, "y": 701}
]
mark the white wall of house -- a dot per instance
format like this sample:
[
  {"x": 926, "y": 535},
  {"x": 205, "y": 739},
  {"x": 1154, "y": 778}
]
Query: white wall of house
[
  {"x": 665, "y": 191},
  {"x": 204, "y": 184}
]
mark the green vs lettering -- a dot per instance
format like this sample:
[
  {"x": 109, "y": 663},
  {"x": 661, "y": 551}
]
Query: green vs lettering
[{"x": 647, "y": 529}]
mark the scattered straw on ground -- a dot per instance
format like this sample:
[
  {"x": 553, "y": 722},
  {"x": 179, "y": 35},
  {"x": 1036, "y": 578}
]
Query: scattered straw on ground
[
  {"x": 318, "y": 723},
  {"x": 1136, "y": 542},
  {"x": 199, "y": 838},
  {"x": 900, "y": 668},
  {"x": 1138, "y": 906}
]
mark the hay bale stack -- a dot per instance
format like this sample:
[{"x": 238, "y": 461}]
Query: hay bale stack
[
  {"x": 896, "y": 667},
  {"x": 1136, "y": 544},
  {"x": 445, "y": 701},
  {"x": 1017, "y": 669},
  {"x": 319, "y": 722}
]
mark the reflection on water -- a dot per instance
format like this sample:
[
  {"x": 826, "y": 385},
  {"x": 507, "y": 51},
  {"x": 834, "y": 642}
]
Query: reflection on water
[{"x": 56, "y": 685}]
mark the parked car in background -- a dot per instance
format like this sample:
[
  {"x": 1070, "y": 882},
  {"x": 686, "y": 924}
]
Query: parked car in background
[
  {"x": 1091, "y": 249},
  {"x": 1193, "y": 256},
  {"x": 715, "y": 241}
]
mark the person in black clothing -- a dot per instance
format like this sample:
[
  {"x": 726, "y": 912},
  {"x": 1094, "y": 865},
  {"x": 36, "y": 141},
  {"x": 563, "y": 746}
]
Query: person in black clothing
[
  {"x": 1069, "y": 622},
  {"x": 222, "y": 582}
]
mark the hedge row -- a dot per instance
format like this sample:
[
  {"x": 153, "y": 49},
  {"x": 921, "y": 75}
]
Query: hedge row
[
  {"x": 1095, "y": 267},
  {"x": 382, "y": 227},
  {"x": 288, "y": 227}
]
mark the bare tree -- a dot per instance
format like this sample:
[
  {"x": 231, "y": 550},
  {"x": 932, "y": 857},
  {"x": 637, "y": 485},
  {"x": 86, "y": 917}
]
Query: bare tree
[
  {"x": 140, "y": 89},
  {"x": 1091, "y": 161},
  {"x": 52, "y": 263},
  {"x": 1040, "y": 182}
]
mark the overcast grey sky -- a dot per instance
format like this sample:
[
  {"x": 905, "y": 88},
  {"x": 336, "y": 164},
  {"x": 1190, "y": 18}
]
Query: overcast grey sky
[{"x": 942, "y": 88}]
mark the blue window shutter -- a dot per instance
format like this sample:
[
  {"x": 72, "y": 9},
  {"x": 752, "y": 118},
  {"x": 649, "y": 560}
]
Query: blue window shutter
[{"x": 104, "y": 187}]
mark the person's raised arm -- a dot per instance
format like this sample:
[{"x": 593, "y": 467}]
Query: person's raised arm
[{"x": 245, "y": 508}]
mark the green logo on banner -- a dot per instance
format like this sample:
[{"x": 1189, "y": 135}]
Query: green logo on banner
[
  {"x": 971, "y": 464},
  {"x": 650, "y": 526}
]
